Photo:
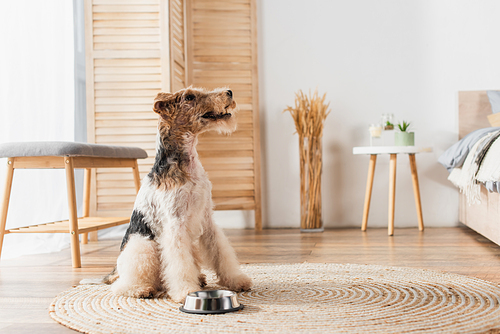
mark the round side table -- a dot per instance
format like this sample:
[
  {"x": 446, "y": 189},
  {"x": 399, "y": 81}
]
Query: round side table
[{"x": 393, "y": 152}]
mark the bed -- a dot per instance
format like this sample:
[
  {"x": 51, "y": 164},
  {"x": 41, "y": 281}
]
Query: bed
[{"x": 479, "y": 129}]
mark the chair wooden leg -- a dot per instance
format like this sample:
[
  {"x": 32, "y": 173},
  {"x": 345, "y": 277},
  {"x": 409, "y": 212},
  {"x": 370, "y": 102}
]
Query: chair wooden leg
[
  {"x": 93, "y": 236},
  {"x": 5, "y": 201},
  {"x": 392, "y": 192},
  {"x": 368, "y": 192},
  {"x": 86, "y": 200},
  {"x": 73, "y": 215},
  {"x": 416, "y": 191},
  {"x": 137, "y": 176}
]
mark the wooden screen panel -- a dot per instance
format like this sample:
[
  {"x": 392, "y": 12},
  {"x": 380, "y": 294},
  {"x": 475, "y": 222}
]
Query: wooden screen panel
[
  {"x": 127, "y": 65},
  {"x": 136, "y": 48},
  {"x": 223, "y": 53},
  {"x": 177, "y": 44}
]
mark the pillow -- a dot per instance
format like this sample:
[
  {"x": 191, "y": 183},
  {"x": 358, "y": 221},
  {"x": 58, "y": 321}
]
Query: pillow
[
  {"x": 492, "y": 186},
  {"x": 454, "y": 157},
  {"x": 494, "y": 97}
]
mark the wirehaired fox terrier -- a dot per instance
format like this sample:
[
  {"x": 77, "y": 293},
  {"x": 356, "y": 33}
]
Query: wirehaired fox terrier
[{"x": 171, "y": 232}]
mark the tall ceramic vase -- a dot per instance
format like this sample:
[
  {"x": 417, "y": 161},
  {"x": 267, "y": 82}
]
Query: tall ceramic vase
[{"x": 311, "y": 167}]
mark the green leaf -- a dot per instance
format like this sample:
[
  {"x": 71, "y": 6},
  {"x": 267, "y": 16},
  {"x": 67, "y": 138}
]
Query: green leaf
[{"x": 403, "y": 126}]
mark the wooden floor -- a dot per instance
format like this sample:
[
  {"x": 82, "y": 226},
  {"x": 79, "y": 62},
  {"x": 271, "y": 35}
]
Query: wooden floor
[{"x": 29, "y": 284}]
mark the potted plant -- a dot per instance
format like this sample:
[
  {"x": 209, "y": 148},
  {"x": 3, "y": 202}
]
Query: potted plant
[
  {"x": 403, "y": 137},
  {"x": 388, "y": 126}
]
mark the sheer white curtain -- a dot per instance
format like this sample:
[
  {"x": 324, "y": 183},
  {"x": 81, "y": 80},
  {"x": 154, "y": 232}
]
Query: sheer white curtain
[{"x": 36, "y": 104}]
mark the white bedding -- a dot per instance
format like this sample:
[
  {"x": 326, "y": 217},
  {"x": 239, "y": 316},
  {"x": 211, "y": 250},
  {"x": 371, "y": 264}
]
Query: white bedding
[
  {"x": 481, "y": 165},
  {"x": 463, "y": 177}
]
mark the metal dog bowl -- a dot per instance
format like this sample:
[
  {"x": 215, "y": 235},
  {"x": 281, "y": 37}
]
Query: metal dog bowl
[{"x": 211, "y": 302}]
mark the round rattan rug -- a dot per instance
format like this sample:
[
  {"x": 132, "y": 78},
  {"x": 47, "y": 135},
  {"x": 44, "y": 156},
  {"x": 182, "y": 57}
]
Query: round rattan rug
[{"x": 307, "y": 297}]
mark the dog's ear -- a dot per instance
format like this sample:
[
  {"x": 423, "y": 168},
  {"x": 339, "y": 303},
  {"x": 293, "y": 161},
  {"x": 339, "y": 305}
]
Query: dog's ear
[{"x": 165, "y": 104}]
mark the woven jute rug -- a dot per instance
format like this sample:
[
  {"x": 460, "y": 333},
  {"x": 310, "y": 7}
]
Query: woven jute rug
[{"x": 308, "y": 298}]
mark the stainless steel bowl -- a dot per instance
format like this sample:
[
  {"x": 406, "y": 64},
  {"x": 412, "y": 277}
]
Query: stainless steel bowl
[{"x": 211, "y": 302}]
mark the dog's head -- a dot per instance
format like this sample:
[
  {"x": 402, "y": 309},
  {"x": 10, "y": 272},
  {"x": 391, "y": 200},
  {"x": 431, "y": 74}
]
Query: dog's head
[{"x": 196, "y": 110}]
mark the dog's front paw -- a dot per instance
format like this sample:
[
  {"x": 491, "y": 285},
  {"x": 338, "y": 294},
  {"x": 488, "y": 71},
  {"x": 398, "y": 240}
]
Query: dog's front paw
[
  {"x": 179, "y": 295},
  {"x": 239, "y": 283}
]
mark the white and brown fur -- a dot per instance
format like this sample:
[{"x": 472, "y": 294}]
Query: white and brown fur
[{"x": 171, "y": 232}]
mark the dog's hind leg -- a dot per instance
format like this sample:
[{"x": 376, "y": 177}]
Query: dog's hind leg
[
  {"x": 222, "y": 258},
  {"x": 138, "y": 268}
]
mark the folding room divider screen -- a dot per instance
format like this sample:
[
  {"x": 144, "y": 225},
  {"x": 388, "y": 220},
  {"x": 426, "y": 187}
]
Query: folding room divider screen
[{"x": 136, "y": 48}]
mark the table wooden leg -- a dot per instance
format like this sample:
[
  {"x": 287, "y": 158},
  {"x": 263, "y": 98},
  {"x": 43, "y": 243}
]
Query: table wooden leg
[
  {"x": 392, "y": 192},
  {"x": 73, "y": 215},
  {"x": 5, "y": 201},
  {"x": 416, "y": 191},
  {"x": 368, "y": 192}
]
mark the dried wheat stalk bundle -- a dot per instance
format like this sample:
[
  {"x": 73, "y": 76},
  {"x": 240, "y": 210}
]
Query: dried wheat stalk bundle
[{"x": 309, "y": 115}]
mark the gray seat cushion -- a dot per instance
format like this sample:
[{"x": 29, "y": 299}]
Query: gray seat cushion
[{"x": 69, "y": 149}]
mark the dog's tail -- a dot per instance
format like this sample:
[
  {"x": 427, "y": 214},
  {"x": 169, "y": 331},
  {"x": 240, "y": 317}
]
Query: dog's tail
[
  {"x": 111, "y": 277},
  {"x": 108, "y": 279}
]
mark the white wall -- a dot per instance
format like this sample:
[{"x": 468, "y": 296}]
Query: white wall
[{"x": 409, "y": 58}]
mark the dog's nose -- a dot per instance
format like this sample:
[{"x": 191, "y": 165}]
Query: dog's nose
[{"x": 229, "y": 93}]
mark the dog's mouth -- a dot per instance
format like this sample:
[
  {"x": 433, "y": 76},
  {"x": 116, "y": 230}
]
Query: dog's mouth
[{"x": 216, "y": 116}]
